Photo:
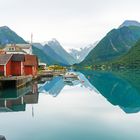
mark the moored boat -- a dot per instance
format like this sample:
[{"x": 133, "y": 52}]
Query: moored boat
[{"x": 72, "y": 75}]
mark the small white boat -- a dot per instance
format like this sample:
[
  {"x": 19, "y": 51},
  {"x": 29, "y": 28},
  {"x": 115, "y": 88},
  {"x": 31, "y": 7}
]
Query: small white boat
[
  {"x": 71, "y": 78},
  {"x": 71, "y": 75}
]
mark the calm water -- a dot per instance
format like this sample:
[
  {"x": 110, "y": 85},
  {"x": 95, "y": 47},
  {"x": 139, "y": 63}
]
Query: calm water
[{"x": 99, "y": 106}]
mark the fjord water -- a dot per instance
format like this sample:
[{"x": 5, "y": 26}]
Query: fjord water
[{"x": 99, "y": 106}]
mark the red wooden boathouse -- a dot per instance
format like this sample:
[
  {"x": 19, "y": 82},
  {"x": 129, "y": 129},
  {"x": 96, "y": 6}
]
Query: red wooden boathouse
[
  {"x": 18, "y": 65},
  {"x": 31, "y": 65},
  {"x": 5, "y": 64}
]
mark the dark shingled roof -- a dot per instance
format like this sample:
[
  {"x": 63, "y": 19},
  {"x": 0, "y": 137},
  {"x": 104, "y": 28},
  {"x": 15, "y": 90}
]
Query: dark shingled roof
[
  {"x": 31, "y": 60},
  {"x": 4, "y": 58},
  {"x": 18, "y": 57}
]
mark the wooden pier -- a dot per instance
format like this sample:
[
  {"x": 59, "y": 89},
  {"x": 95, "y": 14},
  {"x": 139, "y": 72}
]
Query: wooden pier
[
  {"x": 14, "y": 81},
  {"x": 49, "y": 74},
  {"x": 20, "y": 81}
]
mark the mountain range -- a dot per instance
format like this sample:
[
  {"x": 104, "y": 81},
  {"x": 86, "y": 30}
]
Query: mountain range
[
  {"x": 128, "y": 23},
  {"x": 54, "y": 53},
  {"x": 51, "y": 53},
  {"x": 130, "y": 59},
  {"x": 115, "y": 44},
  {"x": 42, "y": 56},
  {"x": 119, "y": 47},
  {"x": 80, "y": 55},
  {"x": 8, "y": 36}
]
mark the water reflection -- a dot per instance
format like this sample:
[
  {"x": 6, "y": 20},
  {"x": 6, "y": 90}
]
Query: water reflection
[
  {"x": 52, "y": 87},
  {"x": 78, "y": 111},
  {"x": 15, "y": 100},
  {"x": 119, "y": 88},
  {"x": 55, "y": 86}
]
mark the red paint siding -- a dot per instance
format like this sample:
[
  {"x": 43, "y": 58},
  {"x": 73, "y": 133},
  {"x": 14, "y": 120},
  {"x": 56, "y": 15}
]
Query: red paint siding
[
  {"x": 1, "y": 70},
  {"x": 12, "y": 68},
  {"x": 31, "y": 65},
  {"x": 16, "y": 68},
  {"x": 8, "y": 68},
  {"x": 28, "y": 70},
  {"x": 31, "y": 70}
]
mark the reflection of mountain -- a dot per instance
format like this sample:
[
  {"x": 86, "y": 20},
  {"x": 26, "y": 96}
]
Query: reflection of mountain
[
  {"x": 116, "y": 90},
  {"x": 85, "y": 82},
  {"x": 9, "y": 103},
  {"x": 52, "y": 87},
  {"x": 132, "y": 76}
]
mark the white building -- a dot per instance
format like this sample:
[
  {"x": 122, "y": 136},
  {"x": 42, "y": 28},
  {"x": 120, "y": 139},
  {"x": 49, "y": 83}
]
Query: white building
[{"x": 18, "y": 49}]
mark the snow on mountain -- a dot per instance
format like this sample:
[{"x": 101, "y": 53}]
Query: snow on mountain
[{"x": 79, "y": 55}]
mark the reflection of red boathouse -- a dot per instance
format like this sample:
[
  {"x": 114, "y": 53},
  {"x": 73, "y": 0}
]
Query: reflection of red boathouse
[{"x": 18, "y": 103}]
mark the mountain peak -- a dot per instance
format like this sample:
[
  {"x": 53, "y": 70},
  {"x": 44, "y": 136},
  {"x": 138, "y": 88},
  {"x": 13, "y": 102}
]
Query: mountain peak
[
  {"x": 54, "y": 40},
  {"x": 9, "y": 36},
  {"x": 128, "y": 23},
  {"x": 5, "y": 27},
  {"x": 81, "y": 53},
  {"x": 54, "y": 43}
]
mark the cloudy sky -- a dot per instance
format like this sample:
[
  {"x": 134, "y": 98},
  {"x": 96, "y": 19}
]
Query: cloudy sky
[{"x": 74, "y": 23}]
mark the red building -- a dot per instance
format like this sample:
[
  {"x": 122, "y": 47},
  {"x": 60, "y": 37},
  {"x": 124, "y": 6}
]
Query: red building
[
  {"x": 31, "y": 65},
  {"x": 17, "y": 64},
  {"x": 5, "y": 64}
]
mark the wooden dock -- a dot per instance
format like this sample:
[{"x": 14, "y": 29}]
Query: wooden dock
[
  {"x": 20, "y": 81},
  {"x": 14, "y": 81},
  {"x": 49, "y": 74}
]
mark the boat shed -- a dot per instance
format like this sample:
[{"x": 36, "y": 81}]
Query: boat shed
[
  {"x": 31, "y": 65},
  {"x": 5, "y": 64},
  {"x": 17, "y": 65}
]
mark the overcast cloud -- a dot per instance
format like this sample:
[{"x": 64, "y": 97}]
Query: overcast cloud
[{"x": 75, "y": 23}]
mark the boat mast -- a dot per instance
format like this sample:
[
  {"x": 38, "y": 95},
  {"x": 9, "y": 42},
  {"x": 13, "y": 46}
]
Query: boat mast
[{"x": 31, "y": 43}]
